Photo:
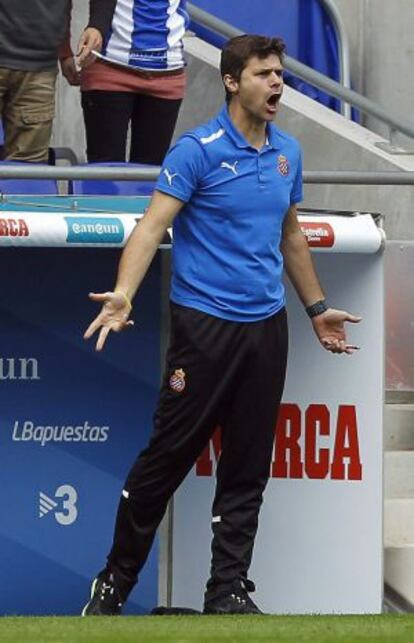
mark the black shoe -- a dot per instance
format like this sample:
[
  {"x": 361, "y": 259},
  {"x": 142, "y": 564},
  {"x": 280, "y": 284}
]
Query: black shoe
[
  {"x": 235, "y": 601},
  {"x": 105, "y": 600}
]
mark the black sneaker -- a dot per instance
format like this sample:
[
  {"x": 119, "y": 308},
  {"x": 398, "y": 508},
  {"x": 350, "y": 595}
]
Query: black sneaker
[
  {"x": 105, "y": 600},
  {"x": 235, "y": 601}
]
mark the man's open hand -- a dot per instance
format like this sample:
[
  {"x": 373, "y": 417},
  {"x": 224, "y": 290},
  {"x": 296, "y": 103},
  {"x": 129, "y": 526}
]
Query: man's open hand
[
  {"x": 113, "y": 316},
  {"x": 330, "y": 330}
]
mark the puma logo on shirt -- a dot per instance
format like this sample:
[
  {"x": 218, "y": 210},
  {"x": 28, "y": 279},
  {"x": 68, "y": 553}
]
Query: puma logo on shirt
[
  {"x": 229, "y": 166},
  {"x": 169, "y": 176}
]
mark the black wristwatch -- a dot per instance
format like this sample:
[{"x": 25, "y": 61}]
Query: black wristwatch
[{"x": 317, "y": 308}]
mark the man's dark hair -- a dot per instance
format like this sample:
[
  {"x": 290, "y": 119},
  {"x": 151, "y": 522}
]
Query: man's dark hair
[{"x": 238, "y": 51}]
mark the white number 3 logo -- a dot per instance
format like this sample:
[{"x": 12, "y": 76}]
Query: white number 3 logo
[{"x": 70, "y": 496}]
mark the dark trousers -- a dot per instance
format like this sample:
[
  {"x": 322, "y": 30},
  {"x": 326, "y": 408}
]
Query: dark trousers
[
  {"x": 107, "y": 115},
  {"x": 234, "y": 376}
]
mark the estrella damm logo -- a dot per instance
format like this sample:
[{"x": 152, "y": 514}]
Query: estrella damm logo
[
  {"x": 318, "y": 235},
  {"x": 283, "y": 165},
  {"x": 94, "y": 230}
]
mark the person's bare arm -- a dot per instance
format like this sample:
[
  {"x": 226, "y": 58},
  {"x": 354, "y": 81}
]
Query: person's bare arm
[
  {"x": 328, "y": 326},
  {"x": 65, "y": 53},
  {"x": 298, "y": 260},
  {"x": 134, "y": 263},
  {"x": 144, "y": 241}
]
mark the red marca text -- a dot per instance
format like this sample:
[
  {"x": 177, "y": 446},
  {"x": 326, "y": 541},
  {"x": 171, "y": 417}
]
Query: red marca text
[
  {"x": 296, "y": 452},
  {"x": 13, "y": 228}
]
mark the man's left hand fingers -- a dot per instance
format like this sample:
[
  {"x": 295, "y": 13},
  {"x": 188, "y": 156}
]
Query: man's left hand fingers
[
  {"x": 351, "y": 349},
  {"x": 354, "y": 319},
  {"x": 103, "y": 334}
]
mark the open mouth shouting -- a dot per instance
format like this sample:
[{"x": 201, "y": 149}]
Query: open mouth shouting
[{"x": 272, "y": 102}]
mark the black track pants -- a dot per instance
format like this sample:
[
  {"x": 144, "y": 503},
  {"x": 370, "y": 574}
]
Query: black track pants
[
  {"x": 107, "y": 115},
  {"x": 222, "y": 373}
]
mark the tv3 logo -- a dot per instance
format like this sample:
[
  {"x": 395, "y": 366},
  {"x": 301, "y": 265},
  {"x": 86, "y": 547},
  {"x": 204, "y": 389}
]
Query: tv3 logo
[{"x": 65, "y": 510}]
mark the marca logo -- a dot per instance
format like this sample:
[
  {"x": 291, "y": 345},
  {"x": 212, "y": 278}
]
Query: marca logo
[
  {"x": 94, "y": 230},
  {"x": 318, "y": 235},
  {"x": 20, "y": 368},
  {"x": 296, "y": 452},
  {"x": 13, "y": 228},
  {"x": 63, "y": 504}
]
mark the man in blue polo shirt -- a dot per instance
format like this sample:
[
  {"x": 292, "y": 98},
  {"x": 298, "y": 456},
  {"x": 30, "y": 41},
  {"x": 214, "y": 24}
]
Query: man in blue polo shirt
[
  {"x": 230, "y": 189},
  {"x": 236, "y": 197}
]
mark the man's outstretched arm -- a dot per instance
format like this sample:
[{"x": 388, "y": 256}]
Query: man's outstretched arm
[
  {"x": 134, "y": 263},
  {"x": 329, "y": 325}
]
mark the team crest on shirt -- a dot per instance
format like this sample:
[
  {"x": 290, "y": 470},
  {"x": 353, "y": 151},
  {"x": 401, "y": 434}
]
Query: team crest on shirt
[
  {"x": 177, "y": 380},
  {"x": 283, "y": 165}
]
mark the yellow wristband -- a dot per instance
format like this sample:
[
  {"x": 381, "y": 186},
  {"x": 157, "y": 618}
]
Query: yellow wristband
[{"x": 125, "y": 296}]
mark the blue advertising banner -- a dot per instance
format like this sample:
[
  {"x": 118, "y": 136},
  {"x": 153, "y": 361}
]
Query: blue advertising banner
[{"x": 71, "y": 424}]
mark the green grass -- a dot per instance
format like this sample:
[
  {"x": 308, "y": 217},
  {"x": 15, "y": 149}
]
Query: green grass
[{"x": 209, "y": 629}]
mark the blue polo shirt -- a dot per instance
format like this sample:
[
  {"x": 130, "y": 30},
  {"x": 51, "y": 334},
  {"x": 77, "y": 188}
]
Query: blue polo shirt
[{"x": 226, "y": 259}]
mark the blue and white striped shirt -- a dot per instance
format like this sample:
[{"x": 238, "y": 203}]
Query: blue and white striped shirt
[{"x": 147, "y": 34}]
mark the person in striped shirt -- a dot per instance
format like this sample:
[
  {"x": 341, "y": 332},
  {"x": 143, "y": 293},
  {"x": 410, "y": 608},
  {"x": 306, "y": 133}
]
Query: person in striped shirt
[{"x": 133, "y": 75}]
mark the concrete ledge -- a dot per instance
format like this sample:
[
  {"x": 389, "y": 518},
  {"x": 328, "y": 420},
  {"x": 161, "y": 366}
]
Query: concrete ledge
[
  {"x": 399, "y": 474},
  {"x": 399, "y": 570},
  {"x": 399, "y": 522},
  {"x": 398, "y": 427}
]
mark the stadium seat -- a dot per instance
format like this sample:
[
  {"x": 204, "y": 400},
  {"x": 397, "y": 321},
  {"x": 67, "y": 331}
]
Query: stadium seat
[
  {"x": 27, "y": 186},
  {"x": 105, "y": 187},
  {"x": 62, "y": 154}
]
